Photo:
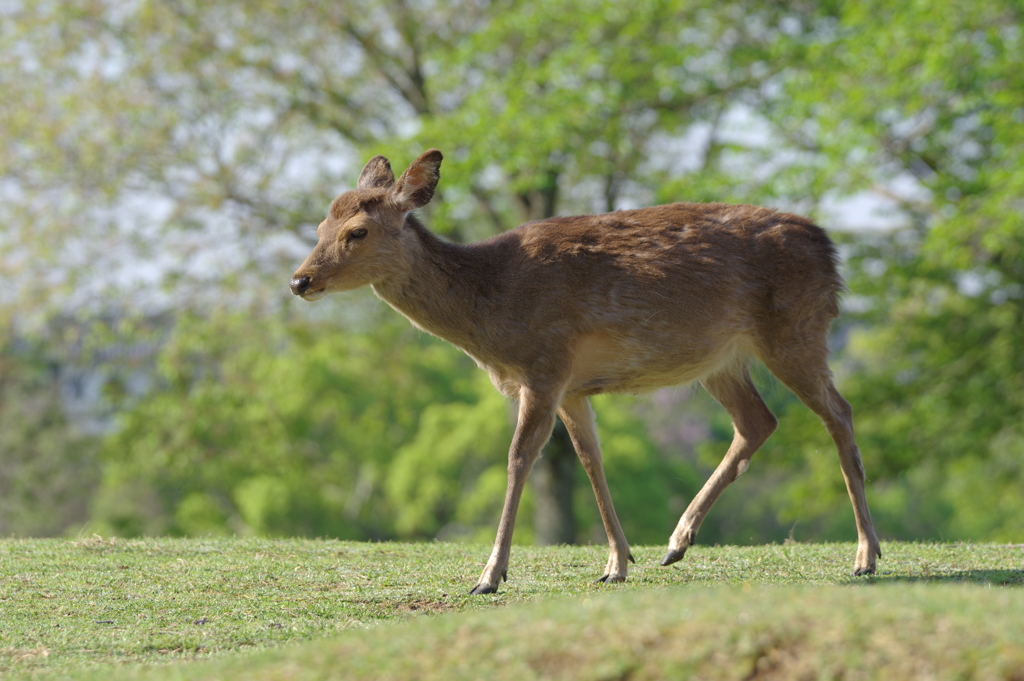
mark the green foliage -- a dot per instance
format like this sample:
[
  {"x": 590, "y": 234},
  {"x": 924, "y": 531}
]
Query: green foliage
[
  {"x": 48, "y": 467},
  {"x": 644, "y": 481},
  {"x": 311, "y": 432},
  {"x": 434, "y": 477}
]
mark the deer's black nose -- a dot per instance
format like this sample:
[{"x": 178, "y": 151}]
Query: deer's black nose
[{"x": 299, "y": 285}]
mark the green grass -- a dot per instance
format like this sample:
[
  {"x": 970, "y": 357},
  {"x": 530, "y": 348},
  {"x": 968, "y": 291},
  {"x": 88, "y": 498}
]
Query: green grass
[{"x": 87, "y": 608}]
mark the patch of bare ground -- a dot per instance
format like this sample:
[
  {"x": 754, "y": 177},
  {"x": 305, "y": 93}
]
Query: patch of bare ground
[
  {"x": 424, "y": 607},
  {"x": 23, "y": 655}
]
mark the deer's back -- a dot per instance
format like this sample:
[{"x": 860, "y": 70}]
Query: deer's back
[{"x": 659, "y": 296}]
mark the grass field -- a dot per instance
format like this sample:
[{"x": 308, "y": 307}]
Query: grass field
[{"x": 311, "y": 609}]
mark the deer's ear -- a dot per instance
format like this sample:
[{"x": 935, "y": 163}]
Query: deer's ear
[
  {"x": 376, "y": 174},
  {"x": 416, "y": 186}
]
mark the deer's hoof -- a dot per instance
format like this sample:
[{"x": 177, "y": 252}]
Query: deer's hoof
[
  {"x": 610, "y": 579},
  {"x": 481, "y": 589},
  {"x": 673, "y": 555}
]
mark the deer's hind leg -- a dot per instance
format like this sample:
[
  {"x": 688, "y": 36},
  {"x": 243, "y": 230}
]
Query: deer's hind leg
[
  {"x": 803, "y": 367},
  {"x": 578, "y": 418},
  {"x": 752, "y": 424}
]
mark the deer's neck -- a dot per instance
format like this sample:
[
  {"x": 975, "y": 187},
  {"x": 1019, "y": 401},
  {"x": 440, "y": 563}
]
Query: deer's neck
[{"x": 437, "y": 291}]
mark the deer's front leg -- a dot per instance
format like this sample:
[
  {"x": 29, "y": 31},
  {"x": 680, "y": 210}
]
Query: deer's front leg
[{"x": 536, "y": 420}]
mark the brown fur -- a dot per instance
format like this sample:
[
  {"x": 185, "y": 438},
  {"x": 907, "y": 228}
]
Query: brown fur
[{"x": 561, "y": 309}]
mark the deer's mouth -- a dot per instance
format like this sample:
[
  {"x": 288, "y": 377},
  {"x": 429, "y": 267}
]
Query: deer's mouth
[{"x": 310, "y": 296}]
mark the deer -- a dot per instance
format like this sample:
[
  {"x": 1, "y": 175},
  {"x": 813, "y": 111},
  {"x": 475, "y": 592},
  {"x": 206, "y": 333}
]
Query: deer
[{"x": 558, "y": 310}]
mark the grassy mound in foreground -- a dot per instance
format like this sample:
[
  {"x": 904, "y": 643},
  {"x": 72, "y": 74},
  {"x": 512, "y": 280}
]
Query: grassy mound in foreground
[
  {"x": 72, "y": 609},
  {"x": 881, "y": 632}
]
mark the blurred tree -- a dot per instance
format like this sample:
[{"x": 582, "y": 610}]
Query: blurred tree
[
  {"x": 298, "y": 431},
  {"x": 190, "y": 136},
  {"x": 48, "y": 467},
  {"x": 164, "y": 156}
]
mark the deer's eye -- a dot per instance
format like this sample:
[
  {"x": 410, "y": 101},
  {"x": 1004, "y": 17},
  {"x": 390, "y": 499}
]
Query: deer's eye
[{"x": 357, "y": 233}]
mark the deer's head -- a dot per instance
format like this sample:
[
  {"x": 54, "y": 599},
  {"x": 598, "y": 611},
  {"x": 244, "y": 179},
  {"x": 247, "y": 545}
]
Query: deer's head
[{"x": 361, "y": 240}]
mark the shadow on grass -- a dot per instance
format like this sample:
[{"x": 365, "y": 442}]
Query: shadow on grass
[{"x": 990, "y": 577}]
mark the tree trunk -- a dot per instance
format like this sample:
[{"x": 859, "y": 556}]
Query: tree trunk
[{"x": 553, "y": 476}]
